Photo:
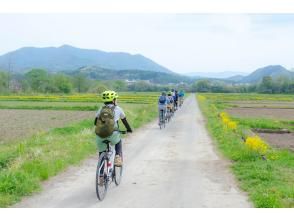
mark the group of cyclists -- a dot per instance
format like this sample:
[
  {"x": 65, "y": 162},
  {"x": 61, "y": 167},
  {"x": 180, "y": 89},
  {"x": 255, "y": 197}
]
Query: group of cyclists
[
  {"x": 108, "y": 132},
  {"x": 168, "y": 103}
]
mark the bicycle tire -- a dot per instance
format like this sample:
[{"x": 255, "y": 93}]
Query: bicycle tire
[
  {"x": 118, "y": 171},
  {"x": 161, "y": 119},
  {"x": 101, "y": 190}
]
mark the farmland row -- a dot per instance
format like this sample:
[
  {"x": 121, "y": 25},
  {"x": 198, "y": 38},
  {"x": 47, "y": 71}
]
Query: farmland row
[{"x": 144, "y": 98}]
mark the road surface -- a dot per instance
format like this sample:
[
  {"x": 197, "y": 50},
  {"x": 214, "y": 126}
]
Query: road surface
[{"x": 174, "y": 167}]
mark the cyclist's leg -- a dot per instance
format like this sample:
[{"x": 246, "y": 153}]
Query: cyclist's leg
[
  {"x": 115, "y": 140},
  {"x": 118, "y": 148},
  {"x": 101, "y": 148},
  {"x": 100, "y": 145}
]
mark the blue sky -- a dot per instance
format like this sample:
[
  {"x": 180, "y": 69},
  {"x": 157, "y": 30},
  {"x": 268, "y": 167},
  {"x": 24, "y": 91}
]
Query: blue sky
[{"x": 181, "y": 42}]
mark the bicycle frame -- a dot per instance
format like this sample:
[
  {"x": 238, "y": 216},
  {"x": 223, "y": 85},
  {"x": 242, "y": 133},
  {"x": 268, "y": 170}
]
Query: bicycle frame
[{"x": 109, "y": 160}]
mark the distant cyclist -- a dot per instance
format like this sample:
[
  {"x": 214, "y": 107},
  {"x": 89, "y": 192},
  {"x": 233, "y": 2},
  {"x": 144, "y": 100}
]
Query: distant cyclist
[
  {"x": 170, "y": 105},
  {"x": 107, "y": 127},
  {"x": 176, "y": 98},
  {"x": 162, "y": 105},
  {"x": 181, "y": 97}
]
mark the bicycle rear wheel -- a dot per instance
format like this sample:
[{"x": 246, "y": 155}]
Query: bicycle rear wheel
[
  {"x": 101, "y": 177},
  {"x": 161, "y": 119}
]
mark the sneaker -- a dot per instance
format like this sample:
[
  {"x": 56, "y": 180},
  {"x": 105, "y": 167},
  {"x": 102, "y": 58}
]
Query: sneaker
[{"x": 117, "y": 161}]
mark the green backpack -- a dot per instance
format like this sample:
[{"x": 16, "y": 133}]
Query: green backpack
[{"x": 105, "y": 122}]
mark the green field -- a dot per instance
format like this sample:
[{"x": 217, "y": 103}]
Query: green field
[
  {"x": 26, "y": 163},
  {"x": 124, "y": 97},
  {"x": 267, "y": 177}
]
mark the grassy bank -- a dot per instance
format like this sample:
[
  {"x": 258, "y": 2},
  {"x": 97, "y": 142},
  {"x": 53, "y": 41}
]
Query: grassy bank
[
  {"x": 269, "y": 183},
  {"x": 24, "y": 165}
]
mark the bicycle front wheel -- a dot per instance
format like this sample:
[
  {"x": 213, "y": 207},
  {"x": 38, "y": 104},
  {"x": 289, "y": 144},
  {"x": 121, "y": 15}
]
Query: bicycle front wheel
[
  {"x": 101, "y": 177},
  {"x": 118, "y": 174}
]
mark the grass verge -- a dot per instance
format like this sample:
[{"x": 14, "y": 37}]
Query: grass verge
[{"x": 269, "y": 183}]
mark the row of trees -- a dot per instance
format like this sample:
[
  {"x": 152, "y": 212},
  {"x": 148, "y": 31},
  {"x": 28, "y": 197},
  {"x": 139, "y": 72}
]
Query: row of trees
[
  {"x": 40, "y": 81},
  {"x": 267, "y": 85}
]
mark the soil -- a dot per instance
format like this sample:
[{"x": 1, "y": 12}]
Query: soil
[
  {"x": 285, "y": 140},
  {"x": 19, "y": 124},
  {"x": 262, "y": 104},
  {"x": 272, "y": 113}
]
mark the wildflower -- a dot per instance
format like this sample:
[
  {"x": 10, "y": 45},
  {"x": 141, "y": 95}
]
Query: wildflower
[{"x": 256, "y": 144}]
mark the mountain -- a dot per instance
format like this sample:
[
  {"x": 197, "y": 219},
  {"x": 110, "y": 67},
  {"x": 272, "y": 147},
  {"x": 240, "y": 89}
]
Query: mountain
[
  {"x": 235, "y": 78},
  {"x": 94, "y": 72},
  {"x": 274, "y": 71},
  {"x": 70, "y": 58}
]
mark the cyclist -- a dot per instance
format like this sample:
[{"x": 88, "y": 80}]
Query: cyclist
[
  {"x": 162, "y": 105},
  {"x": 176, "y": 97},
  {"x": 170, "y": 105},
  {"x": 181, "y": 97},
  {"x": 106, "y": 121}
]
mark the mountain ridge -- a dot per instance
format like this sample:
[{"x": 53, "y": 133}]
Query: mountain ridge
[{"x": 67, "y": 57}]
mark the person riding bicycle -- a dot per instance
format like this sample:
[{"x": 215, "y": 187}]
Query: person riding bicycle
[
  {"x": 162, "y": 104},
  {"x": 181, "y": 96},
  {"x": 170, "y": 105},
  {"x": 107, "y": 127},
  {"x": 176, "y": 98}
]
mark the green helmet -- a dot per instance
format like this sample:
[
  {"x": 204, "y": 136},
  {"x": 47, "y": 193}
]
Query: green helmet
[
  {"x": 169, "y": 93},
  {"x": 109, "y": 96}
]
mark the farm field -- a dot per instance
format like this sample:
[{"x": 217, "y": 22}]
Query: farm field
[
  {"x": 262, "y": 104},
  {"x": 256, "y": 132},
  {"x": 39, "y": 105},
  {"x": 271, "y": 113},
  {"x": 126, "y": 97},
  {"x": 18, "y": 124},
  {"x": 37, "y": 142}
]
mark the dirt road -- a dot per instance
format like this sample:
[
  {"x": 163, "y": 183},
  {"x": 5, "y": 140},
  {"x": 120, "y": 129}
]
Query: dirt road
[{"x": 174, "y": 167}]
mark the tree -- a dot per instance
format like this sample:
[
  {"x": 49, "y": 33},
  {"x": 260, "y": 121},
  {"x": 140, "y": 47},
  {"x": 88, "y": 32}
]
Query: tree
[
  {"x": 38, "y": 80},
  {"x": 98, "y": 87},
  {"x": 266, "y": 85},
  {"x": 4, "y": 78},
  {"x": 201, "y": 86},
  {"x": 62, "y": 83},
  {"x": 81, "y": 83}
]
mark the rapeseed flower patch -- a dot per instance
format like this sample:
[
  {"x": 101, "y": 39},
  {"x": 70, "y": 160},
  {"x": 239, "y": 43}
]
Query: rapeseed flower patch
[{"x": 256, "y": 144}]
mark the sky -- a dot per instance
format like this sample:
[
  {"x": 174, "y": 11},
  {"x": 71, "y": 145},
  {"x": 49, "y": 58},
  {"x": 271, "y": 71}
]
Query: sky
[{"x": 181, "y": 42}]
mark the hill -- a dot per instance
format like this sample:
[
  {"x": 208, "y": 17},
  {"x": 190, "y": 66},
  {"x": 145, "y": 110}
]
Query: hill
[
  {"x": 93, "y": 72},
  {"x": 274, "y": 71},
  {"x": 70, "y": 58},
  {"x": 235, "y": 78}
]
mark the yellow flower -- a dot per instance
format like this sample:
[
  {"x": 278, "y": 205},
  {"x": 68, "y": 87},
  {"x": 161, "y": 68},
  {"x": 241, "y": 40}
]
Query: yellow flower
[{"x": 256, "y": 144}]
